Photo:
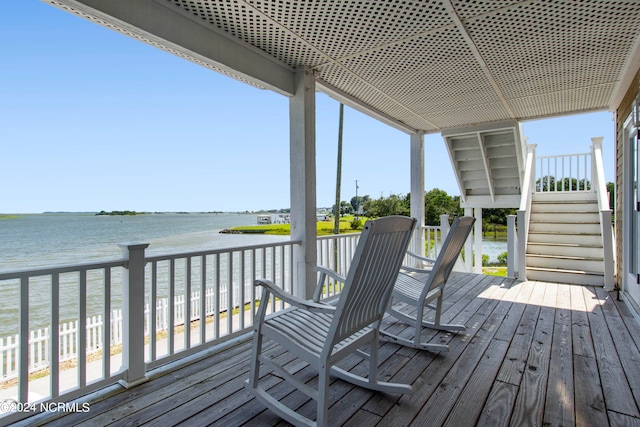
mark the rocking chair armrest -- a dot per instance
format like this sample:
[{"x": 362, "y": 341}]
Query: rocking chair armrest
[
  {"x": 407, "y": 269},
  {"x": 329, "y": 272},
  {"x": 324, "y": 271},
  {"x": 292, "y": 299},
  {"x": 421, "y": 258}
]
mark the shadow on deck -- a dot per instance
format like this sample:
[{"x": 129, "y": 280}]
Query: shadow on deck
[{"x": 534, "y": 354}]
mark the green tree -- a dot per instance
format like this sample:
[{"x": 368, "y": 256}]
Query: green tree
[
  {"x": 611, "y": 189},
  {"x": 358, "y": 202},
  {"x": 345, "y": 208},
  {"x": 392, "y": 205},
  {"x": 437, "y": 202},
  {"x": 493, "y": 217}
]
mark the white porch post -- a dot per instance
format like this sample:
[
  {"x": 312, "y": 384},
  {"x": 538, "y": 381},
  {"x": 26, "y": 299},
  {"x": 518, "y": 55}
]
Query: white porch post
[
  {"x": 133, "y": 315},
  {"x": 477, "y": 240},
  {"x": 302, "y": 120},
  {"x": 468, "y": 246},
  {"x": 417, "y": 190}
]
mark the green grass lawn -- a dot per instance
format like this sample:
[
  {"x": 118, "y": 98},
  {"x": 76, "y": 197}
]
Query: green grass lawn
[
  {"x": 324, "y": 228},
  {"x": 495, "y": 271}
]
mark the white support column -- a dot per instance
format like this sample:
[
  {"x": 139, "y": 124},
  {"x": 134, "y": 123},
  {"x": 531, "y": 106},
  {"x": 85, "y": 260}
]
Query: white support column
[
  {"x": 417, "y": 190},
  {"x": 468, "y": 246},
  {"x": 302, "y": 119},
  {"x": 477, "y": 240},
  {"x": 133, "y": 315}
]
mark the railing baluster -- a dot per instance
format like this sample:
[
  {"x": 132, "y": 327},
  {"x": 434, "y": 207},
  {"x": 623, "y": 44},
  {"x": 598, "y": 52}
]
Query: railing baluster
[
  {"x": 229, "y": 292},
  {"x": 54, "y": 339},
  {"x": 203, "y": 299},
  {"x": 153, "y": 311},
  {"x": 23, "y": 349},
  {"x": 216, "y": 313},
  {"x": 82, "y": 330},
  {"x": 171, "y": 307},
  {"x": 187, "y": 301},
  {"x": 241, "y": 290}
]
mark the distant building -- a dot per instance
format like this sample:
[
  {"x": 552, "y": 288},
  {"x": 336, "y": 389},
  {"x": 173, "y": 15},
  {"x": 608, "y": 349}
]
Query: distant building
[{"x": 264, "y": 219}]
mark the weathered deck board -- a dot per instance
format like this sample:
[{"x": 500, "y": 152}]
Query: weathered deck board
[
  {"x": 559, "y": 404},
  {"x": 533, "y": 354}
]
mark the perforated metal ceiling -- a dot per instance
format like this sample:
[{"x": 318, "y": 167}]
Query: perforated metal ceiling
[{"x": 439, "y": 64}]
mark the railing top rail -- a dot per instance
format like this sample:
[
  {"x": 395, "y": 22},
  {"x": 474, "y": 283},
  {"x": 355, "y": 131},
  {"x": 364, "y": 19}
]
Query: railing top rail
[
  {"x": 46, "y": 271},
  {"x": 600, "y": 184},
  {"x": 563, "y": 155},
  {"x": 338, "y": 236},
  {"x": 166, "y": 257},
  {"x": 528, "y": 182},
  {"x": 69, "y": 268}
]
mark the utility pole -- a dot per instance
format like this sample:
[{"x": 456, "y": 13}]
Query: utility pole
[
  {"x": 357, "y": 201},
  {"x": 336, "y": 222}
]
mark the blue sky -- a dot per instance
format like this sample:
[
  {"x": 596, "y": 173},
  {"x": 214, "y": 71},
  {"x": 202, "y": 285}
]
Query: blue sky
[{"x": 92, "y": 120}]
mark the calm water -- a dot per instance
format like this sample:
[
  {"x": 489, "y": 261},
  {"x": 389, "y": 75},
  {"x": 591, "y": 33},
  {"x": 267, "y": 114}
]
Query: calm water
[
  {"x": 493, "y": 246},
  {"x": 58, "y": 239}
]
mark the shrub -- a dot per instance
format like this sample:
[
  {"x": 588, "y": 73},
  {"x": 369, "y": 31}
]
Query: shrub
[
  {"x": 502, "y": 258},
  {"x": 485, "y": 260},
  {"x": 356, "y": 224}
]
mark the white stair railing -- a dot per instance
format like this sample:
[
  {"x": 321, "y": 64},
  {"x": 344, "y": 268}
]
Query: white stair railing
[
  {"x": 524, "y": 213},
  {"x": 600, "y": 186}
]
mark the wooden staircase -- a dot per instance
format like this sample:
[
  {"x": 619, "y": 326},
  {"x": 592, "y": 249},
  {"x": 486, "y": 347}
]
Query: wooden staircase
[{"x": 565, "y": 239}]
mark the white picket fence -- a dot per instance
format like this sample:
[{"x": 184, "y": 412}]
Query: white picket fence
[{"x": 39, "y": 339}]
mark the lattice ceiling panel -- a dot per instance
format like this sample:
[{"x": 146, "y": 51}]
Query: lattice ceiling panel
[
  {"x": 339, "y": 28},
  {"x": 243, "y": 21},
  {"x": 346, "y": 81},
  {"x": 547, "y": 46},
  {"x": 544, "y": 104},
  {"x": 435, "y": 64},
  {"x": 470, "y": 8},
  {"x": 404, "y": 72},
  {"x": 466, "y": 115}
]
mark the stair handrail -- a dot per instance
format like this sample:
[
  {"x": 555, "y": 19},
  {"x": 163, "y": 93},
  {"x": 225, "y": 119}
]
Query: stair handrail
[
  {"x": 524, "y": 212},
  {"x": 600, "y": 186}
]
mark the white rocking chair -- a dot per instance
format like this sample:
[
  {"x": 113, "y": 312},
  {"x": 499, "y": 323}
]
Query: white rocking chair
[
  {"x": 322, "y": 334},
  {"x": 417, "y": 288}
]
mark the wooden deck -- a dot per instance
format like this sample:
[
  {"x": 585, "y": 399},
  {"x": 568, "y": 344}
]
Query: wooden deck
[{"x": 534, "y": 354}]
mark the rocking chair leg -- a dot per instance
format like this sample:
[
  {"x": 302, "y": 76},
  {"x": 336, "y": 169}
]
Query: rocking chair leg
[{"x": 323, "y": 397}]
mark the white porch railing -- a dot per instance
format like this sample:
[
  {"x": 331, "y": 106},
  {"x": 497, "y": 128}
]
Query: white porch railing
[
  {"x": 224, "y": 276},
  {"x": 599, "y": 184},
  {"x": 566, "y": 172}
]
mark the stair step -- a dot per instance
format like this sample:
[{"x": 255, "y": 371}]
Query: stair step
[
  {"x": 589, "y": 239},
  {"x": 565, "y": 262},
  {"x": 566, "y": 217},
  {"x": 577, "y": 277},
  {"x": 565, "y": 197},
  {"x": 564, "y": 227},
  {"x": 552, "y": 207},
  {"x": 565, "y": 249}
]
